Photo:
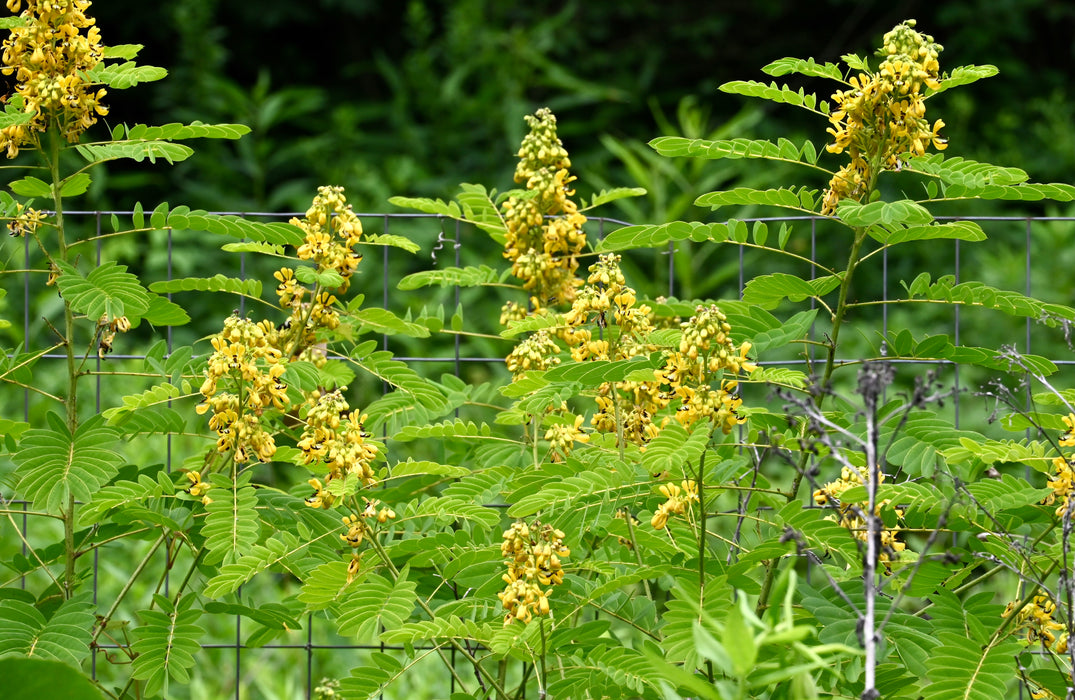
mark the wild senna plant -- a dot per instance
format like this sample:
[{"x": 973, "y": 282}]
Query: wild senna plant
[{"x": 627, "y": 495}]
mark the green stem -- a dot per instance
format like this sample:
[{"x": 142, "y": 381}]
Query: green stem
[{"x": 126, "y": 588}]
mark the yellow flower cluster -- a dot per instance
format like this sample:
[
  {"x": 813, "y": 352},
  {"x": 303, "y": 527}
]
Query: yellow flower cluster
[
  {"x": 1063, "y": 481},
  {"x": 706, "y": 353},
  {"x": 607, "y": 303},
  {"x": 679, "y": 499},
  {"x": 49, "y": 55},
  {"x": 537, "y": 352},
  {"x": 562, "y": 437},
  {"x": 534, "y": 553},
  {"x": 331, "y": 231},
  {"x": 243, "y": 378},
  {"x": 850, "y": 515},
  {"x": 106, "y": 332},
  {"x": 882, "y": 115},
  {"x": 544, "y": 229},
  {"x": 26, "y": 221},
  {"x": 1036, "y": 618},
  {"x": 334, "y": 437}
]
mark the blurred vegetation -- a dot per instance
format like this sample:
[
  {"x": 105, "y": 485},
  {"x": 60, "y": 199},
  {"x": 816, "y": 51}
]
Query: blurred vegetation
[{"x": 416, "y": 96}]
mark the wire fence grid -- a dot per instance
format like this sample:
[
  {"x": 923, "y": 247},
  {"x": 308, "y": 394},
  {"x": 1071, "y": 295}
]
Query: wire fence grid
[{"x": 447, "y": 242}]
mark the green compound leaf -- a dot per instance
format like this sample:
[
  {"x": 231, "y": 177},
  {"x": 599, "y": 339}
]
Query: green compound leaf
[
  {"x": 218, "y": 283},
  {"x": 597, "y": 372},
  {"x": 374, "y": 605},
  {"x": 977, "y": 294},
  {"x": 256, "y": 559},
  {"x": 33, "y": 679},
  {"x": 176, "y": 132},
  {"x": 123, "y": 75},
  {"x": 376, "y": 320},
  {"x": 902, "y": 211},
  {"x": 31, "y": 187},
  {"x": 964, "y": 75},
  {"x": 54, "y": 465},
  {"x": 450, "y": 627},
  {"x": 969, "y": 173},
  {"x": 122, "y": 494},
  {"x": 388, "y": 240},
  {"x": 786, "y": 197},
  {"x": 896, "y": 233},
  {"x": 451, "y": 277},
  {"x": 369, "y": 681},
  {"x": 606, "y": 196},
  {"x": 136, "y": 151},
  {"x": 808, "y": 67},
  {"x": 772, "y": 92},
  {"x": 769, "y": 290},
  {"x": 232, "y": 523},
  {"x": 108, "y": 290},
  {"x": 783, "y": 150},
  {"x": 961, "y": 669},
  {"x": 65, "y": 636},
  {"x": 166, "y": 643},
  {"x": 381, "y": 364},
  {"x": 674, "y": 447}
]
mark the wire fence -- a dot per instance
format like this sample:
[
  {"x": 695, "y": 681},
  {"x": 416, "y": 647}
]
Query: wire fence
[{"x": 446, "y": 242}]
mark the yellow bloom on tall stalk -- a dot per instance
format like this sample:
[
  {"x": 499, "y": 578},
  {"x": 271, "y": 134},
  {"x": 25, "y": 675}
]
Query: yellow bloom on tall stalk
[
  {"x": 544, "y": 230},
  {"x": 48, "y": 55},
  {"x": 881, "y": 117},
  {"x": 534, "y": 554}
]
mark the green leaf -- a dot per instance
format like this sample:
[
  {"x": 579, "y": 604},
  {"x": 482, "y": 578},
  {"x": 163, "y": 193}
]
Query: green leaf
[
  {"x": 218, "y": 283},
  {"x": 124, "y": 51},
  {"x": 786, "y": 197},
  {"x": 597, "y": 372},
  {"x": 962, "y": 669},
  {"x": 978, "y": 294},
  {"x": 673, "y": 448},
  {"x": 451, "y": 277},
  {"x": 108, "y": 290},
  {"x": 31, "y": 187},
  {"x": 895, "y": 233},
  {"x": 384, "y": 239},
  {"x": 65, "y": 636},
  {"x": 255, "y": 560},
  {"x": 123, "y": 75},
  {"x": 738, "y": 640},
  {"x": 376, "y": 606},
  {"x": 114, "y": 498},
  {"x": 381, "y": 364},
  {"x": 194, "y": 130},
  {"x": 769, "y": 290},
  {"x": 902, "y": 211},
  {"x": 964, "y": 75},
  {"x": 807, "y": 67},
  {"x": 136, "y": 151},
  {"x": 33, "y": 679},
  {"x": 75, "y": 185},
  {"x": 165, "y": 644},
  {"x": 162, "y": 312},
  {"x": 231, "y": 523},
  {"x": 606, "y": 196},
  {"x": 54, "y": 465},
  {"x": 326, "y": 584},
  {"x": 377, "y": 320},
  {"x": 735, "y": 148},
  {"x": 772, "y": 92}
]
